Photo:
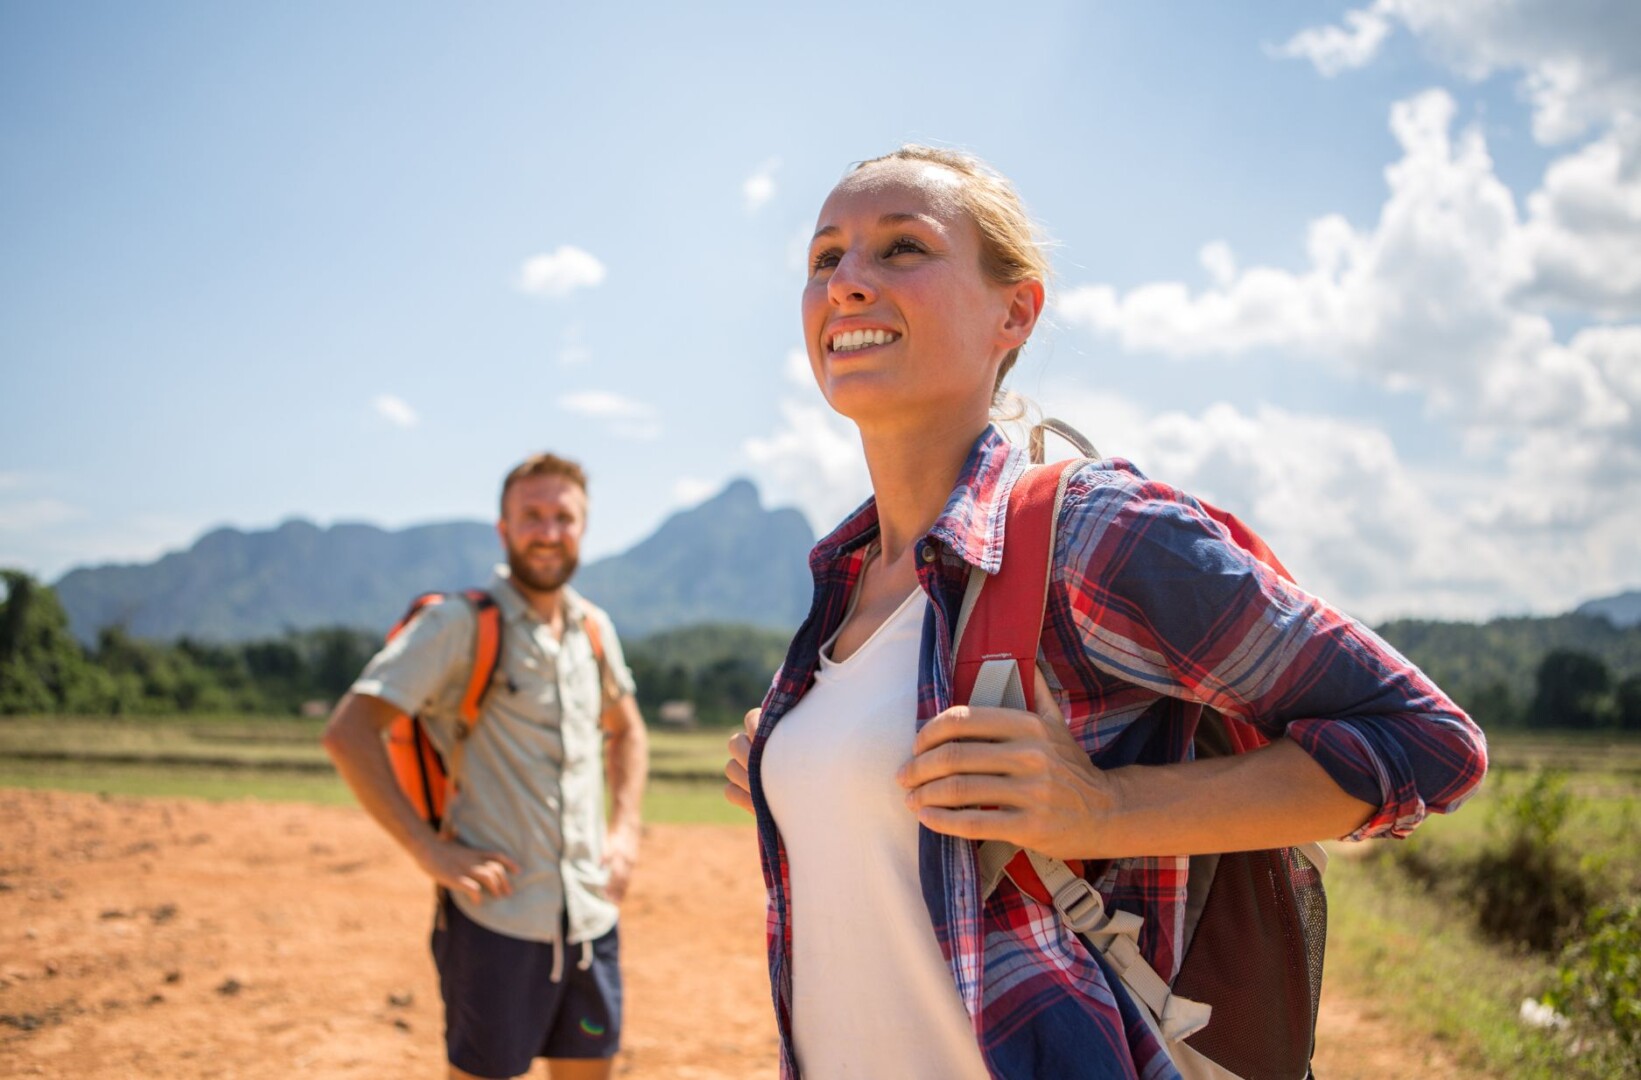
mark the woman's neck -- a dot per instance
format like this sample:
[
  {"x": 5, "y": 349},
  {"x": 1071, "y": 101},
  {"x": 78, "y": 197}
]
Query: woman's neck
[{"x": 913, "y": 473}]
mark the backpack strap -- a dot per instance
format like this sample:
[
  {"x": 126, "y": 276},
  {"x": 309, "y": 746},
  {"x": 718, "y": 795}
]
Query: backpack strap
[
  {"x": 607, "y": 688},
  {"x": 994, "y": 664},
  {"x": 486, "y": 648},
  {"x": 486, "y": 659},
  {"x": 486, "y": 656}
]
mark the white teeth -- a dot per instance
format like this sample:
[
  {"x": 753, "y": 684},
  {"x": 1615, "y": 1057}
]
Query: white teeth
[{"x": 850, "y": 340}]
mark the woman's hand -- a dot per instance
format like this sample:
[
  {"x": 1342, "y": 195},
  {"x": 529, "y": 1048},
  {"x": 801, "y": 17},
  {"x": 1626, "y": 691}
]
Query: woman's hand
[
  {"x": 738, "y": 789},
  {"x": 1004, "y": 774}
]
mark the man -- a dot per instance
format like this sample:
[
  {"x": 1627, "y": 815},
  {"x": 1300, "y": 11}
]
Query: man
[{"x": 529, "y": 876}]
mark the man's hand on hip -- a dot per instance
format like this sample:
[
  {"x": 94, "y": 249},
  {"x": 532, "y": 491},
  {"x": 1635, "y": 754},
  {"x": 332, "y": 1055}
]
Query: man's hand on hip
[
  {"x": 469, "y": 871},
  {"x": 620, "y": 856}
]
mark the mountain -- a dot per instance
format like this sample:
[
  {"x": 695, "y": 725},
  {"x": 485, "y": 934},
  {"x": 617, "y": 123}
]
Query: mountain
[
  {"x": 234, "y": 586},
  {"x": 726, "y": 560},
  {"x": 1623, "y": 610}
]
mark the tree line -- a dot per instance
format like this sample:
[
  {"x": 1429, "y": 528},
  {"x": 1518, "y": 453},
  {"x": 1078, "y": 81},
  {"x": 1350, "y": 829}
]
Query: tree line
[
  {"x": 1568, "y": 672},
  {"x": 722, "y": 670},
  {"x": 1571, "y": 672}
]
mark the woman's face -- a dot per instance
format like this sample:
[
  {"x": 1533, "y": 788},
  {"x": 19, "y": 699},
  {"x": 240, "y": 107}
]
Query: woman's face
[{"x": 900, "y": 322}]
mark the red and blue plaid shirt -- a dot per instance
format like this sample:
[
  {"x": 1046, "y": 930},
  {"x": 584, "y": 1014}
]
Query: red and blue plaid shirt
[{"x": 1153, "y": 613}]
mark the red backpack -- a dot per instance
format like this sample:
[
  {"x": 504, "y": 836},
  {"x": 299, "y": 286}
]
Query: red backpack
[{"x": 1255, "y": 921}]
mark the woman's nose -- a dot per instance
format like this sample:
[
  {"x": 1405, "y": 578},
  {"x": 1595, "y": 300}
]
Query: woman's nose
[{"x": 851, "y": 282}]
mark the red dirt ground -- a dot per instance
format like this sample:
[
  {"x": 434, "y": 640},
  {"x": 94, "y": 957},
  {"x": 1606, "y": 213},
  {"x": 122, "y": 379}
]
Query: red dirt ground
[{"x": 178, "y": 938}]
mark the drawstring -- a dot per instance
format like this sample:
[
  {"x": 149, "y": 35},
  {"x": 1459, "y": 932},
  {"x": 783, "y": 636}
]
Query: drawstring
[{"x": 583, "y": 964}]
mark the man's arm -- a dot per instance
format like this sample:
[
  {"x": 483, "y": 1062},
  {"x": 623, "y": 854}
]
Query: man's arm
[
  {"x": 353, "y": 739},
  {"x": 626, "y": 767}
]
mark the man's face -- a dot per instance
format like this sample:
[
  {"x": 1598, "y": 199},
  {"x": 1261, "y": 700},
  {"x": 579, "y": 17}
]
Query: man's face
[{"x": 542, "y": 519}]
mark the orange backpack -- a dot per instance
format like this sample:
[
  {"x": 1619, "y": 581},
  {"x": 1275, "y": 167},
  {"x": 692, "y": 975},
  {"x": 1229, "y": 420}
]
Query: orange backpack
[
  {"x": 417, "y": 766},
  {"x": 421, "y": 771}
]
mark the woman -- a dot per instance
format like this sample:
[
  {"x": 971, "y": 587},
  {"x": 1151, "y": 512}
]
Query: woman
[{"x": 869, "y": 783}]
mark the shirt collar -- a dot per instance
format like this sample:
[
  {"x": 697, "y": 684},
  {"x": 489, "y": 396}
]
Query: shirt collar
[
  {"x": 514, "y": 606},
  {"x": 971, "y": 525}
]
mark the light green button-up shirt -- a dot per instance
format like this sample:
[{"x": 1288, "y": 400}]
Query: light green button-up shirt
[{"x": 532, "y": 783}]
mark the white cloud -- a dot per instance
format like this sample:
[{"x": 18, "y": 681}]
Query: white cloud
[
  {"x": 606, "y": 404},
  {"x": 626, "y": 417},
  {"x": 1334, "y": 49},
  {"x": 1583, "y": 229},
  {"x": 1378, "y": 536},
  {"x": 813, "y": 461},
  {"x": 395, "y": 410},
  {"x": 759, "y": 188},
  {"x": 1427, "y": 300},
  {"x": 558, "y": 273},
  {"x": 1437, "y": 299},
  {"x": 1579, "y": 61}
]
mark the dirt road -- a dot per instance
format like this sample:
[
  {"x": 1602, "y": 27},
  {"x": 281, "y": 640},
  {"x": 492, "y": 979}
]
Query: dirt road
[{"x": 176, "y": 938}]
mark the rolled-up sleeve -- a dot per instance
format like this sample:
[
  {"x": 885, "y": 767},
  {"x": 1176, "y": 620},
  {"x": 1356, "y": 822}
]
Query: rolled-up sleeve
[
  {"x": 424, "y": 658},
  {"x": 1174, "y": 604}
]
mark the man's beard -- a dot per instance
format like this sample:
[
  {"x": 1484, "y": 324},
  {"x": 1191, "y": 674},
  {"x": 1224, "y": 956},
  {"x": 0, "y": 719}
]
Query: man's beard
[{"x": 544, "y": 580}]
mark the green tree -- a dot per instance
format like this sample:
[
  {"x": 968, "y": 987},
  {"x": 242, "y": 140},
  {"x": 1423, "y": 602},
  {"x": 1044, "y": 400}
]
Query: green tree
[
  {"x": 1494, "y": 707},
  {"x": 1627, "y": 699},
  {"x": 1572, "y": 692},
  {"x": 42, "y": 668}
]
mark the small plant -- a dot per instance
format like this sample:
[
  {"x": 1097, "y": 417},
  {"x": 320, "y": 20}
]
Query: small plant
[
  {"x": 1526, "y": 887},
  {"x": 1599, "y": 986}
]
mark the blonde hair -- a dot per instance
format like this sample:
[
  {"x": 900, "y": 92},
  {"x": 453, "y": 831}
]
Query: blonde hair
[{"x": 1012, "y": 248}]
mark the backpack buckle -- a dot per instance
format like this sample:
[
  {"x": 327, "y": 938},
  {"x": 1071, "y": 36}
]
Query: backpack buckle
[{"x": 1080, "y": 906}]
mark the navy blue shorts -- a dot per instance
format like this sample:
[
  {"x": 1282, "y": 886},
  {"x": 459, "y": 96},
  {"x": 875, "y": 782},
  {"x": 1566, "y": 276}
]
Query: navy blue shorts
[{"x": 502, "y": 1009}]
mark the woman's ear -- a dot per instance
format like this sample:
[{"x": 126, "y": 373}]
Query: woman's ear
[{"x": 1025, "y": 305}]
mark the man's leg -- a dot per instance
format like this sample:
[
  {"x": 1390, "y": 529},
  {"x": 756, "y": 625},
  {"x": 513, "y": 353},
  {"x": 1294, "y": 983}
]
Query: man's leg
[
  {"x": 586, "y": 1033},
  {"x": 497, "y": 993}
]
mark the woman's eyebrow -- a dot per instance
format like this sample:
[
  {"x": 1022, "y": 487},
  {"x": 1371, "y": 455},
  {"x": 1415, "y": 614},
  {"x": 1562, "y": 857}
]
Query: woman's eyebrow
[{"x": 895, "y": 217}]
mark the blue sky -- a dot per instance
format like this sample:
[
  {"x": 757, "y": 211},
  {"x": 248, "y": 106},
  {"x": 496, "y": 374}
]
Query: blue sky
[{"x": 1368, "y": 275}]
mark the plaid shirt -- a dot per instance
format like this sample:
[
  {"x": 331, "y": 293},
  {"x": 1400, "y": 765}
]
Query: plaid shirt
[{"x": 1153, "y": 613}]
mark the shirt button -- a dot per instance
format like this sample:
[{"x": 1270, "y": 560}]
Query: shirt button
[{"x": 929, "y": 553}]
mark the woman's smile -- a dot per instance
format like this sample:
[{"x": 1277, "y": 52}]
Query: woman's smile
[{"x": 849, "y": 341}]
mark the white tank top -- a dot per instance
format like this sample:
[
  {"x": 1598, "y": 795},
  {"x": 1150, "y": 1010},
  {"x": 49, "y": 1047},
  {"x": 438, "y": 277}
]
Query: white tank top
[{"x": 871, "y": 993}]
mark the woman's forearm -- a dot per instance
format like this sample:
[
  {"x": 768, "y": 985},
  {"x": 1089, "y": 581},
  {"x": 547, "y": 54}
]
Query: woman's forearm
[{"x": 1272, "y": 797}]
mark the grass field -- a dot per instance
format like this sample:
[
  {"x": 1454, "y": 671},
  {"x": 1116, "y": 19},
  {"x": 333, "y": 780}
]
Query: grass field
[
  {"x": 279, "y": 758},
  {"x": 1413, "y": 954},
  {"x": 1421, "y": 953}
]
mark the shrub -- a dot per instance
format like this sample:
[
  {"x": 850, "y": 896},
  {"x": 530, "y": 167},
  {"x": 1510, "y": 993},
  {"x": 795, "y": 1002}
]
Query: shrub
[
  {"x": 1599, "y": 987},
  {"x": 1526, "y": 888}
]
